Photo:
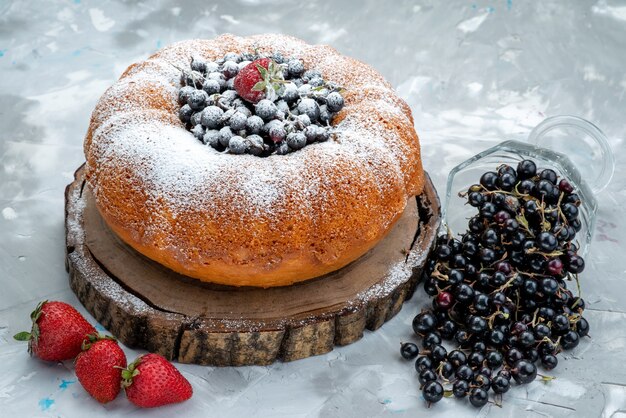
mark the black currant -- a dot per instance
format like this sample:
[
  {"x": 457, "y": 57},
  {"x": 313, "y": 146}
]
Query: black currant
[
  {"x": 570, "y": 340},
  {"x": 494, "y": 359},
  {"x": 478, "y": 397},
  {"x": 424, "y": 322},
  {"x": 409, "y": 351},
  {"x": 500, "y": 384},
  {"x": 549, "y": 361},
  {"x": 431, "y": 339},
  {"x": 547, "y": 242},
  {"x": 464, "y": 372},
  {"x": 526, "y": 169},
  {"x": 489, "y": 180},
  {"x": 426, "y": 375},
  {"x": 524, "y": 372},
  {"x": 582, "y": 327},
  {"x": 460, "y": 388},
  {"x": 423, "y": 362},
  {"x": 432, "y": 392}
]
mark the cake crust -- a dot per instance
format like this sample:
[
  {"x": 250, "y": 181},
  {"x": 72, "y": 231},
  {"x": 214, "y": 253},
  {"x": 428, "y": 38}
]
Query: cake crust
[{"x": 239, "y": 219}]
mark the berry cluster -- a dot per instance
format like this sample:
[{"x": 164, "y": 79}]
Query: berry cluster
[
  {"x": 246, "y": 103},
  {"x": 59, "y": 332},
  {"x": 499, "y": 293}
]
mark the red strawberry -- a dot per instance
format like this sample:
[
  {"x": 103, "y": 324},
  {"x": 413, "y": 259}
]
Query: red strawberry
[
  {"x": 258, "y": 80},
  {"x": 152, "y": 381},
  {"x": 99, "y": 367},
  {"x": 58, "y": 331}
]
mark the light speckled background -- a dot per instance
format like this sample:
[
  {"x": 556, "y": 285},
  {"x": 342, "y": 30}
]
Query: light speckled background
[{"x": 474, "y": 73}]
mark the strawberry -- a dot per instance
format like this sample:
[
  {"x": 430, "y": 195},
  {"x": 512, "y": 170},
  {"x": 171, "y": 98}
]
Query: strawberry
[
  {"x": 99, "y": 367},
  {"x": 57, "y": 333},
  {"x": 261, "y": 79},
  {"x": 152, "y": 381}
]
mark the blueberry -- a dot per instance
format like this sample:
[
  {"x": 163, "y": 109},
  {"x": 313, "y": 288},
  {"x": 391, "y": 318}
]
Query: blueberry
[
  {"x": 290, "y": 93},
  {"x": 198, "y": 64},
  {"x": 225, "y": 134},
  {"x": 277, "y": 132},
  {"x": 243, "y": 109},
  {"x": 278, "y": 58},
  {"x": 211, "y": 116},
  {"x": 310, "y": 74},
  {"x": 282, "y": 106},
  {"x": 255, "y": 144},
  {"x": 211, "y": 86},
  {"x": 311, "y": 133},
  {"x": 248, "y": 56},
  {"x": 193, "y": 78},
  {"x": 184, "y": 92},
  {"x": 296, "y": 140},
  {"x": 243, "y": 64},
  {"x": 254, "y": 124},
  {"x": 185, "y": 113},
  {"x": 196, "y": 118},
  {"x": 270, "y": 124},
  {"x": 232, "y": 56},
  {"x": 217, "y": 77},
  {"x": 228, "y": 96},
  {"x": 316, "y": 82},
  {"x": 265, "y": 109},
  {"x": 198, "y": 131},
  {"x": 304, "y": 120},
  {"x": 325, "y": 115},
  {"x": 295, "y": 67},
  {"x": 197, "y": 99},
  {"x": 211, "y": 67},
  {"x": 238, "y": 121},
  {"x": 237, "y": 145},
  {"x": 212, "y": 137},
  {"x": 334, "y": 101},
  {"x": 283, "y": 148},
  {"x": 310, "y": 108},
  {"x": 304, "y": 90},
  {"x": 230, "y": 69}
]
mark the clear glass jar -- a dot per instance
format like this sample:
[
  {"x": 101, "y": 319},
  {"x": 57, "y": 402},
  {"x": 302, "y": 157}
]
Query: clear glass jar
[{"x": 573, "y": 147}]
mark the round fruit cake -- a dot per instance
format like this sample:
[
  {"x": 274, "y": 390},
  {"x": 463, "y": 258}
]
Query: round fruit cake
[{"x": 252, "y": 161}]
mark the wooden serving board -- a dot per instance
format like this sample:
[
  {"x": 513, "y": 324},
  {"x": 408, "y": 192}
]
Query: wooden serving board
[{"x": 148, "y": 306}]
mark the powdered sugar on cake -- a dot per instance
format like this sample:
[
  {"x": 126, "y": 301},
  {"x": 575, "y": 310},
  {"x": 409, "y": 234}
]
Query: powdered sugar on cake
[{"x": 139, "y": 144}]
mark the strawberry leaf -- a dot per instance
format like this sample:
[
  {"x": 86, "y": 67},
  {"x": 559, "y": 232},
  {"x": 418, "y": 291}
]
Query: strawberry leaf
[
  {"x": 260, "y": 86},
  {"x": 262, "y": 71},
  {"x": 22, "y": 336}
]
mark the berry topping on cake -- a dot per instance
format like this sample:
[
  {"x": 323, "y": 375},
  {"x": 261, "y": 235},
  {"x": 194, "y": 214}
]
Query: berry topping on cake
[
  {"x": 258, "y": 80},
  {"x": 259, "y": 105}
]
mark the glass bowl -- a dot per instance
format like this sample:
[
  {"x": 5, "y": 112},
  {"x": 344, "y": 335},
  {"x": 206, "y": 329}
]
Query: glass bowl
[{"x": 573, "y": 147}]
